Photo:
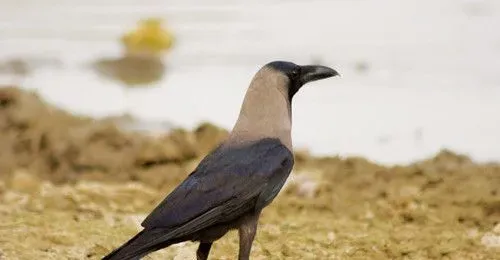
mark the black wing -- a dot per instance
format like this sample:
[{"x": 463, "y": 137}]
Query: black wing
[{"x": 226, "y": 184}]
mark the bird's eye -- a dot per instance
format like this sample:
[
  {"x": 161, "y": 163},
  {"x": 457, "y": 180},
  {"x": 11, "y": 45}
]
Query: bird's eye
[{"x": 295, "y": 72}]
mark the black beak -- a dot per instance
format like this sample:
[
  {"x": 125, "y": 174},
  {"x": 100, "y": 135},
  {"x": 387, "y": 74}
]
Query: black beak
[{"x": 316, "y": 72}]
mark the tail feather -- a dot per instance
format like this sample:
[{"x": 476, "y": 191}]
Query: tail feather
[{"x": 145, "y": 242}]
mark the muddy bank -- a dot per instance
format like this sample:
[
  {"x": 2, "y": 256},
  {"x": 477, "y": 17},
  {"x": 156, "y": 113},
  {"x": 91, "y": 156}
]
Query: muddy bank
[
  {"x": 75, "y": 188},
  {"x": 62, "y": 148}
]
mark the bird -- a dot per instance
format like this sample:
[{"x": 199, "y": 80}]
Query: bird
[{"x": 234, "y": 182}]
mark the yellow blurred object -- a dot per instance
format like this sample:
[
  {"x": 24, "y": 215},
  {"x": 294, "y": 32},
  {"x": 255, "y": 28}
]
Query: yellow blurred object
[{"x": 150, "y": 38}]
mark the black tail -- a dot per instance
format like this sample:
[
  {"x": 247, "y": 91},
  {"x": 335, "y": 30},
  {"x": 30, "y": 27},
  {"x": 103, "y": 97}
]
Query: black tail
[{"x": 145, "y": 242}]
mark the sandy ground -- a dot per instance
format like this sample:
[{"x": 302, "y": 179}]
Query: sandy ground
[{"x": 78, "y": 193}]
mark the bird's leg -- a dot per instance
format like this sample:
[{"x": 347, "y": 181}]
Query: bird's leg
[
  {"x": 203, "y": 250},
  {"x": 247, "y": 231}
]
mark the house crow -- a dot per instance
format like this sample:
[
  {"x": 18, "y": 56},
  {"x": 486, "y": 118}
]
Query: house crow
[{"x": 232, "y": 184}]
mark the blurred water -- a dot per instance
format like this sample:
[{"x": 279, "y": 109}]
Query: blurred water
[{"x": 417, "y": 76}]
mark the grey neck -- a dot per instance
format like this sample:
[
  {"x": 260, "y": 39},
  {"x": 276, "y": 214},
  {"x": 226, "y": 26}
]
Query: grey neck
[{"x": 266, "y": 112}]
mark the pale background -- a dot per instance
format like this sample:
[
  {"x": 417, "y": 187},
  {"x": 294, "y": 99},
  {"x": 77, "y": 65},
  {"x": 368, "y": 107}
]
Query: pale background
[{"x": 432, "y": 77}]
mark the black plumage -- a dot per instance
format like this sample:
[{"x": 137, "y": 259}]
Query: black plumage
[
  {"x": 229, "y": 183},
  {"x": 232, "y": 184}
]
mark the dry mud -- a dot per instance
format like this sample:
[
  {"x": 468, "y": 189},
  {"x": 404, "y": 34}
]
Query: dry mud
[{"x": 75, "y": 188}]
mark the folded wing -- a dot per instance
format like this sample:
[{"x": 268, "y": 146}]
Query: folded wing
[{"x": 226, "y": 184}]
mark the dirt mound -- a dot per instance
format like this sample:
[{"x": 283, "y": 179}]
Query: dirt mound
[
  {"x": 79, "y": 187},
  {"x": 62, "y": 147}
]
